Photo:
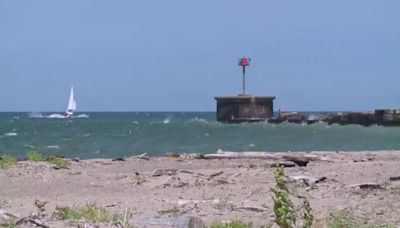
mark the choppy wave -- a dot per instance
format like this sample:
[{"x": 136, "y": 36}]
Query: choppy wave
[
  {"x": 124, "y": 134},
  {"x": 56, "y": 116},
  {"x": 53, "y": 146},
  {"x": 196, "y": 119},
  {"x": 36, "y": 115},
  {"x": 83, "y": 115},
  {"x": 10, "y": 134}
]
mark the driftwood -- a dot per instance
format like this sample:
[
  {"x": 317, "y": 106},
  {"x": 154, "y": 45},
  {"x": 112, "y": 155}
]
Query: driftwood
[
  {"x": 213, "y": 201},
  {"x": 216, "y": 174},
  {"x": 367, "y": 186},
  {"x": 180, "y": 222},
  {"x": 166, "y": 172},
  {"x": 34, "y": 219},
  {"x": 143, "y": 156},
  {"x": 394, "y": 178},
  {"x": 251, "y": 208},
  {"x": 308, "y": 180},
  {"x": 283, "y": 163},
  {"x": 299, "y": 159}
]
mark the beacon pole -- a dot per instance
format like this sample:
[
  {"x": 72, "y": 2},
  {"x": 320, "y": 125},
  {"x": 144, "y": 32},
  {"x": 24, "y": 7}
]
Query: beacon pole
[{"x": 244, "y": 62}]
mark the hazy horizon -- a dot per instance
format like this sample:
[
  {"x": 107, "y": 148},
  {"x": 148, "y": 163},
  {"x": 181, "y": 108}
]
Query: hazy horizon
[{"x": 179, "y": 55}]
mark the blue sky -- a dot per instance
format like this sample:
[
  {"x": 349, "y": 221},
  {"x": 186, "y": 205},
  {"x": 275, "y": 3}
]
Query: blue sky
[{"x": 173, "y": 55}]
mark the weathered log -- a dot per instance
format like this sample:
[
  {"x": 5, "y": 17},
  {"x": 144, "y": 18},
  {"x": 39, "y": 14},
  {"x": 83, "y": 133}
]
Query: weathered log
[
  {"x": 283, "y": 163},
  {"x": 166, "y": 172},
  {"x": 298, "y": 159},
  {"x": 180, "y": 222},
  {"x": 308, "y": 180},
  {"x": 394, "y": 178},
  {"x": 34, "y": 219},
  {"x": 216, "y": 174},
  {"x": 367, "y": 186}
]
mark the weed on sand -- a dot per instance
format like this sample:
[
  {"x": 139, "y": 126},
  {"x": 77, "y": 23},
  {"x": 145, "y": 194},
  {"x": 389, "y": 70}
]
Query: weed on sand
[
  {"x": 7, "y": 161},
  {"x": 344, "y": 220},
  {"x": 234, "y": 224},
  {"x": 8, "y": 223},
  {"x": 92, "y": 213},
  {"x": 58, "y": 162},
  {"x": 35, "y": 156}
]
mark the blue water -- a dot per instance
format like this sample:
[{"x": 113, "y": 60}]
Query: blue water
[{"x": 108, "y": 135}]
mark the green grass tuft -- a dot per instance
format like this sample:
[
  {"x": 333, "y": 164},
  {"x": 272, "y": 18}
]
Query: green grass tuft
[
  {"x": 59, "y": 163},
  {"x": 234, "y": 224},
  {"x": 36, "y": 156},
  {"x": 344, "y": 220},
  {"x": 7, "y": 161},
  {"x": 90, "y": 213},
  {"x": 8, "y": 223}
]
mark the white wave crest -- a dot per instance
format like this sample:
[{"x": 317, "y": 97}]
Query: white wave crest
[
  {"x": 196, "y": 119},
  {"x": 10, "y": 134},
  {"x": 56, "y": 116},
  {"x": 167, "y": 121},
  {"x": 36, "y": 115},
  {"x": 83, "y": 115},
  {"x": 53, "y": 146}
]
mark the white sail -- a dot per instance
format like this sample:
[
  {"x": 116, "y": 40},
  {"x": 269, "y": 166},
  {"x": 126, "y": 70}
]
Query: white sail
[{"x": 71, "y": 103}]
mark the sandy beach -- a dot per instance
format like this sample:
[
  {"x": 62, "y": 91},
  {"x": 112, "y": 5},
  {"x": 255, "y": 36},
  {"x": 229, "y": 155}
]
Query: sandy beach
[{"x": 214, "y": 190}]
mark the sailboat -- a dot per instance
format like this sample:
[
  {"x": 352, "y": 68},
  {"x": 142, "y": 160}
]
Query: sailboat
[{"x": 71, "y": 104}]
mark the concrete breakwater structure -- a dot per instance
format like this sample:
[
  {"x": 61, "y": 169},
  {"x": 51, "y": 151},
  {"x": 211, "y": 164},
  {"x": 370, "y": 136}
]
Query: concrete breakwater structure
[
  {"x": 249, "y": 108},
  {"x": 244, "y": 107}
]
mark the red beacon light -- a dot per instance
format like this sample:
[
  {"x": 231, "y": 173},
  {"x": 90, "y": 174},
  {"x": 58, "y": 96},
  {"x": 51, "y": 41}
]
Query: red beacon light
[{"x": 244, "y": 61}]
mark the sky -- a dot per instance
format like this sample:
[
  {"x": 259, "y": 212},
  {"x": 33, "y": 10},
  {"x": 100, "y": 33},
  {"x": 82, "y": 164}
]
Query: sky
[{"x": 177, "y": 55}]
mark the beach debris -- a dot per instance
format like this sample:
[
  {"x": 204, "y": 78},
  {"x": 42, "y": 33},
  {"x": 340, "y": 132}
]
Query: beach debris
[
  {"x": 172, "y": 155},
  {"x": 111, "y": 205},
  {"x": 186, "y": 171},
  {"x": 252, "y": 208},
  {"x": 298, "y": 160},
  {"x": 40, "y": 205},
  {"x": 138, "y": 179},
  {"x": 85, "y": 225},
  {"x": 174, "y": 210},
  {"x": 215, "y": 174},
  {"x": 178, "y": 222},
  {"x": 76, "y": 159},
  {"x": 166, "y": 172},
  {"x": 287, "y": 164},
  {"x": 118, "y": 159},
  {"x": 309, "y": 180},
  {"x": 174, "y": 182},
  {"x": 143, "y": 156},
  {"x": 212, "y": 201},
  {"x": 4, "y": 215},
  {"x": 33, "y": 219},
  {"x": 394, "y": 178},
  {"x": 364, "y": 159},
  {"x": 367, "y": 186}
]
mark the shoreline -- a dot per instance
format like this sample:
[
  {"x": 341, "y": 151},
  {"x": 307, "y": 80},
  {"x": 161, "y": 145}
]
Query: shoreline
[{"x": 214, "y": 190}]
